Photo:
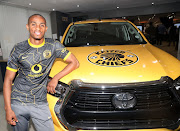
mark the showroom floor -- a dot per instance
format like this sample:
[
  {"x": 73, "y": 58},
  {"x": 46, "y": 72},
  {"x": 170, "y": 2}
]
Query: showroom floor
[{"x": 5, "y": 127}]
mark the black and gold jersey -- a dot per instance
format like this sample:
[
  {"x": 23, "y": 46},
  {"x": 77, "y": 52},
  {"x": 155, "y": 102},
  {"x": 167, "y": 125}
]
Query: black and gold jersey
[{"x": 33, "y": 63}]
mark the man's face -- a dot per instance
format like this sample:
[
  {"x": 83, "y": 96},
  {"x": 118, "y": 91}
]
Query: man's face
[{"x": 36, "y": 27}]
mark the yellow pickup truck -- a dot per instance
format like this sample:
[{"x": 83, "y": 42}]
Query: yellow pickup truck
[{"x": 123, "y": 82}]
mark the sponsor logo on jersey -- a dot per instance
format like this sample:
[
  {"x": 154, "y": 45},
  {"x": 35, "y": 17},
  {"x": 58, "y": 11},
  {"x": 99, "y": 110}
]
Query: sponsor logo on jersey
[
  {"x": 112, "y": 58},
  {"x": 37, "y": 68}
]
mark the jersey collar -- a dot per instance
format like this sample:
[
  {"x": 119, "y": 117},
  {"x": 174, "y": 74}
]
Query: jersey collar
[{"x": 36, "y": 46}]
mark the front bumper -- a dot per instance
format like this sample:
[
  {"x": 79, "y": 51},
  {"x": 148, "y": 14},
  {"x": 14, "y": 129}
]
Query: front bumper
[{"x": 89, "y": 106}]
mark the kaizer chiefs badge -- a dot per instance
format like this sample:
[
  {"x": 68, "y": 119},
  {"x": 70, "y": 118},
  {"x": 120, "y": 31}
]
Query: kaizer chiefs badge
[
  {"x": 112, "y": 58},
  {"x": 47, "y": 54}
]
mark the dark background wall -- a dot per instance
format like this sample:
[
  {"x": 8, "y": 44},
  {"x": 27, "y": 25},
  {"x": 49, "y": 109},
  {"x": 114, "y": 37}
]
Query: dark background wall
[{"x": 59, "y": 22}]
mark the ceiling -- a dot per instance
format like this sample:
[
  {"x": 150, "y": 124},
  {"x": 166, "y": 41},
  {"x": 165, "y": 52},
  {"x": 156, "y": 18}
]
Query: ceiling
[{"x": 69, "y": 6}]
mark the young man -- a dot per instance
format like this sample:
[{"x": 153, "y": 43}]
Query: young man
[{"x": 33, "y": 59}]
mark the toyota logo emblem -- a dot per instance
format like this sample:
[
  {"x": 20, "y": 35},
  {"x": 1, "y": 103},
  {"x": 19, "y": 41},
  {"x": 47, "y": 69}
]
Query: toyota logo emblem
[{"x": 124, "y": 100}]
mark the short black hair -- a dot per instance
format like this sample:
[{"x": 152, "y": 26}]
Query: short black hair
[{"x": 36, "y": 15}]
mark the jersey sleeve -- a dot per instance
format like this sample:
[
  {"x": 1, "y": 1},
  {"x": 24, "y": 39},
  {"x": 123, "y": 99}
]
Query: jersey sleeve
[
  {"x": 12, "y": 63},
  {"x": 61, "y": 51}
]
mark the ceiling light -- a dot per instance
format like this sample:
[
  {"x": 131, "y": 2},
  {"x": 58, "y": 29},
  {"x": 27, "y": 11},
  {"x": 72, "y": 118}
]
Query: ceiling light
[
  {"x": 152, "y": 3},
  {"x": 118, "y": 7},
  {"x": 29, "y": 3},
  {"x": 77, "y": 5},
  {"x": 53, "y": 9}
]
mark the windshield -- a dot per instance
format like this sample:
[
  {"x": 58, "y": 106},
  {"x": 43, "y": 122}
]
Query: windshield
[{"x": 100, "y": 34}]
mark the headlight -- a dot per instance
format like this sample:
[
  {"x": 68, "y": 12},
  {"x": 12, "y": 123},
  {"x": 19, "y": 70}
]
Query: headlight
[
  {"x": 176, "y": 89},
  {"x": 61, "y": 89},
  {"x": 177, "y": 85}
]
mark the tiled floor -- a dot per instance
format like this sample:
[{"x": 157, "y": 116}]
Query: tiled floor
[{"x": 5, "y": 127}]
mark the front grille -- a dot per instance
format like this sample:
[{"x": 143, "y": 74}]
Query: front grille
[
  {"x": 117, "y": 124},
  {"x": 90, "y": 108},
  {"x": 101, "y": 100}
]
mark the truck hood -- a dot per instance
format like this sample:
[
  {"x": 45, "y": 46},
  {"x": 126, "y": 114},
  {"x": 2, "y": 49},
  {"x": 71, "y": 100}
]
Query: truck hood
[{"x": 115, "y": 64}]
